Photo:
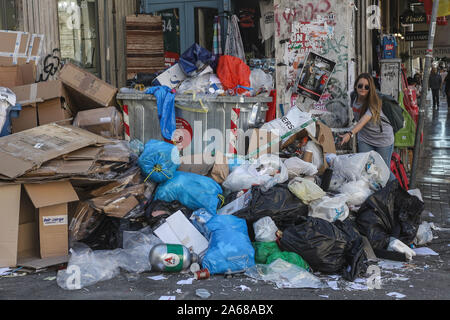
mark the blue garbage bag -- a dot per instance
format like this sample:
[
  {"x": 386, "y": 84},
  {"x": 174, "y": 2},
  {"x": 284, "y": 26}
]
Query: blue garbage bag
[
  {"x": 189, "y": 60},
  {"x": 192, "y": 190},
  {"x": 230, "y": 249},
  {"x": 199, "y": 219},
  {"x": 159, "y": 161},
  {"x": 166, "y": 110}
]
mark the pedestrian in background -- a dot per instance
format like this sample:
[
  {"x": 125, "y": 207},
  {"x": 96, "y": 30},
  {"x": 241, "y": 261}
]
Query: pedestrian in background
[
  {"x": 444, "y": 74},
  {"x": 447, "y": 91},
  {"x": 435, "y": 82},
  {"x": 373, "y": 129}
]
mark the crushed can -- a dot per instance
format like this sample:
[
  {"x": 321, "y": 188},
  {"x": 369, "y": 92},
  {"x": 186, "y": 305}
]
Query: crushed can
[{"x": 171, "y": 258}]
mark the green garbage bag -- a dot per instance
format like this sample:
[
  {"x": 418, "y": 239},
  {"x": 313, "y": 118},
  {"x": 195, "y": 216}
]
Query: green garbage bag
[
  {"x": 290, "y": 257},
  {"x": 263, "y": 250},
  {"x": 406, "y": 136}
]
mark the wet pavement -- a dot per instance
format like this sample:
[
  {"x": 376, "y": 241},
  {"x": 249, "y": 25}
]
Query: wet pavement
[{"x": 433, "y": 178}]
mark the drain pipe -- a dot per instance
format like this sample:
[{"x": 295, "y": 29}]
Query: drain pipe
[
  {"x": 107, "y": 48},
  {"x": 423, "y": 98}
]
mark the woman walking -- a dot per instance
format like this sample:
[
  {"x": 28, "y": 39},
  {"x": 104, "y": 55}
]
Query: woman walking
[{"x": 373, "y": 129}]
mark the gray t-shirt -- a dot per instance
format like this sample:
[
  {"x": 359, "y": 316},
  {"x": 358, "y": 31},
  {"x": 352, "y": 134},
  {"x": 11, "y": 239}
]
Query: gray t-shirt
[{"x": 372, "y": 133}]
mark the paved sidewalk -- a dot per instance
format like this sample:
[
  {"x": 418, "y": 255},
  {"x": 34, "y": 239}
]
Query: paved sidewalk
[{"x": 433, "y": 178}]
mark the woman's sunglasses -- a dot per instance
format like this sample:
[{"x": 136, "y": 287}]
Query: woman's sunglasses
[{"x": 360, "y": 86}]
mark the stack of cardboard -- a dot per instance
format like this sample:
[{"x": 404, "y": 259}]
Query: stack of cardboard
[{"x": 42, "y": 169}]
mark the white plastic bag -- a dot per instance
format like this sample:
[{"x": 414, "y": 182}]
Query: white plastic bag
[
  {"x": 285, "y": 275},
  {"x": 294, "y": 119},
  {"x": 261, "y": 80},
  {"x": 199, "y": 84},
  {"x": 87, "y": 267},
  {"x": 266, "y": 171},
  {"x": 357, "y": 192},
  {"x": 306, "y": 190},
  {"x": 398, "y": 246},
  {"x": 265, "y": 230},
  {"x": 368, "y": 166},
  {"x": 297, "y": 167},
  {"x": 330, "y": 209}
]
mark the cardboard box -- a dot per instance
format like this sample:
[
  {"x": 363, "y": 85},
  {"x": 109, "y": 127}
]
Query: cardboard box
[
  {"x": 172, "y": 77},
  {"x": 18, "y": 47},
  {"x": 18, "y": 75},
  {"x": 179, "y": 230},
  {"x": 34, "y": 223},
  {"x": 259, "y": 139},
  {"x": 106, "y": 122},
  {"x": 28, "y": 150},
  {"x": 42, "y": 103},
  {"x": 86, "y": 90}
]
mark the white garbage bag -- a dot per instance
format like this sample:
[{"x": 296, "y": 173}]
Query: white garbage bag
[
  {"x": 297, "y": 167},
  {"x": 265, "y": 230},
  {"x": 306, "y": 190},
  {"x": 368, "y": 166},
  {"x": 330, "y": 209},
  {"x": 266, "y": 171},
  {"x": 424, "y": 234},
  {"x": 357, "y": 192}
]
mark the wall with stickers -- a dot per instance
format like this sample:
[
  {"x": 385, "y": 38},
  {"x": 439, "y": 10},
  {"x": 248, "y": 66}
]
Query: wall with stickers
[{"x": 324, "y": 27}]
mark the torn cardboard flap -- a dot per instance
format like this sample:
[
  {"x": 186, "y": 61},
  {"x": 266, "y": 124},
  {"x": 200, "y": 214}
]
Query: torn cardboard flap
[
  {"x": 28, "y": 150},
  {"x": 51, "y": 193}
]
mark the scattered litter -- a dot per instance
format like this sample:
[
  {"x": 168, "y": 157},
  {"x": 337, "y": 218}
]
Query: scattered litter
[
  {"x": 5, "y": 271},
  {"x": 157, "y": 278},
  {"x": 185, "y": 282},
  {"x": 50, "y": 279},
  {"x": 324, "y": 296},
  {"x": 243, "y": 288},
  {"x": 171, "y": 298},
  {"x": 425, "y": 251},
  {"x": 391, "y": 265},
  {"x": 203, "y": 293},
  {"x": 179, "y": 291},
  {"x": 396, "y": 295}
]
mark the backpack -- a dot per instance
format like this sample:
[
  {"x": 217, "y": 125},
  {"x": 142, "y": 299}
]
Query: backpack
[
  {"x": 393, "y": 112},
  {"x": 398, "y": 169}
]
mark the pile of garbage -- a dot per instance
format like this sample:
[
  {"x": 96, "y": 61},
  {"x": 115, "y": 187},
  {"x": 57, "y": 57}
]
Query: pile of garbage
[{"x": 263, "y": 216}]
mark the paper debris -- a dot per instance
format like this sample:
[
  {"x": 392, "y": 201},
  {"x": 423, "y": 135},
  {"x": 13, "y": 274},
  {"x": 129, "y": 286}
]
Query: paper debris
[
  {"x": 158, "y": 278},
  {"x": 396, "y": 295},
  {"x": 324, "y": 296},
  {"x": 424, "y": 251},
  {"x": 357, "y": 286},
  {"x": 5, "y": 271},
  {"x": 172, "y": 298},
  {"x": 243, "y": 288},
  {"x": 179, "y": 291},
  {"x": 333, "y": 285},
  {"x": 50, "y": 279},
  {"x": 387, "y": 264}
]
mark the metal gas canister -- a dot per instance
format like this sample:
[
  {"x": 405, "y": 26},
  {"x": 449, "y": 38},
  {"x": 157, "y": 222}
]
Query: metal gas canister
[{"x": 171, "y": 258}]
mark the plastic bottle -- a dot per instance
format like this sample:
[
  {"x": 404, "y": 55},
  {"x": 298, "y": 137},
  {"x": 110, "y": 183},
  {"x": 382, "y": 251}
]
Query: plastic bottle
[{"x": 171, "y": 258}]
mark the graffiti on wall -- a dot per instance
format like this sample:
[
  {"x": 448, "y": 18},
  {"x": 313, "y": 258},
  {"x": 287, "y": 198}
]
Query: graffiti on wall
[{"x": 52, "y": 64}]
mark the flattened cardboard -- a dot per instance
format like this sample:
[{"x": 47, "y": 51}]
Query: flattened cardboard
[
  {"x": 28, "y": 150},
  {"x": 38, "y": 264},
  {"x": 88, "y": 86},
  {"x": 88, "y": 153},
  {"x": 121, "y": 207}
]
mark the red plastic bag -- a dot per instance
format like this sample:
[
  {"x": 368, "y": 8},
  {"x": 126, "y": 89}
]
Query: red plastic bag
[{"x": 234, "y": 74}]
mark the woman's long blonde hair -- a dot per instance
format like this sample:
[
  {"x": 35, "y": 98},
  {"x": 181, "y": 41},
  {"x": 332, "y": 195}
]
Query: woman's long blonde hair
[{"x": 373, "y": 101}]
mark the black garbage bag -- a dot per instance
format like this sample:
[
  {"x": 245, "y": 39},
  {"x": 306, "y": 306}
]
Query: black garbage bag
[
  {"x": 108, "y": 235},
  {"x": 279, "y": 203},
  {"x": 159, "y": 210},
  {"x": 390, "y": 212},
  {"x": 327, "y": 247}
]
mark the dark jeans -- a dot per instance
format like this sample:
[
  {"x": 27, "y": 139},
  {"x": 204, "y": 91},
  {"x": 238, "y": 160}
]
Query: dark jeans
[{"x": 435, "y": 93}]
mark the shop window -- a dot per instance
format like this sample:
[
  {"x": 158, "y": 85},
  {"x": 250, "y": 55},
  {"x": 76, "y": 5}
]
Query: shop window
[
  {"x": 204, "y": 31},
  {"x": 78, "y": 32},
  {"x": 8, "y": 20}
]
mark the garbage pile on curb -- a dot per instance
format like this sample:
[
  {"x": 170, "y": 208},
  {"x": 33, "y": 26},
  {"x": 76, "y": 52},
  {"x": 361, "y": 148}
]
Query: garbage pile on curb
[{"x": 78, "y": 194}]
